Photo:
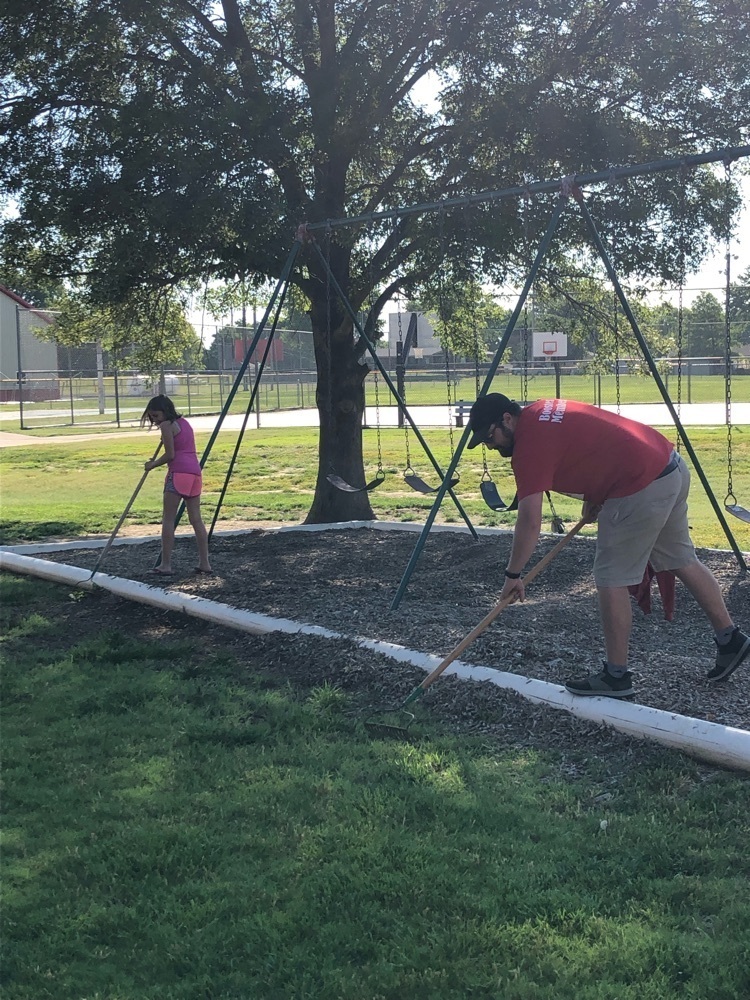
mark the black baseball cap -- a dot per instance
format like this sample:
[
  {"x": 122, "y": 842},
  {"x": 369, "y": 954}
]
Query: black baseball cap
[{"x": 486, "y": 411}]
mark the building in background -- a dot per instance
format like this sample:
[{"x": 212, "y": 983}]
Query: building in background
[
  {"x": 23, "y": 355},
  {"x": 425, "y": 345}
]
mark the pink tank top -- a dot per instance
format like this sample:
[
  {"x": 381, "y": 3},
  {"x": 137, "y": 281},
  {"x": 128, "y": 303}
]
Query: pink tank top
[{"x": 185, "y": 457}]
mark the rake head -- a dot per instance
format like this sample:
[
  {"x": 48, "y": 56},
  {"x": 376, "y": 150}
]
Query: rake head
[{"x": 391, "y": 724}]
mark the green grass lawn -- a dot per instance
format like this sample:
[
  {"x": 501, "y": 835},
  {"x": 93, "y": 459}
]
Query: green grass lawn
[
  {"x": 83, "y": 487},
  {"x": 181, "y": 824}
]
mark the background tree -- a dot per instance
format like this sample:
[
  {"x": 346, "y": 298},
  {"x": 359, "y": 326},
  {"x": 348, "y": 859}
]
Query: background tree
[
  {"x": 705, "y": 328},
  {"x": 466, "y": 318},
  {"x": 740, "y": 309},
  {"x": 147, "y": 145},
  {"x": 137, "y": 334},
  {"x": 36, "y": 288}
]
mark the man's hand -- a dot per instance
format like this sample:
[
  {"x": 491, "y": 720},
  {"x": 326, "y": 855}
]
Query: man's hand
[
  {"x": 514, "y": 588},
  {"x": 590, "y": 511}
]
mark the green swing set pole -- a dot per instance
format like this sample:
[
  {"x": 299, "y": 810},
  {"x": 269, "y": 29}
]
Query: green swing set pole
[
  {"x": 389, "y": 382},
  {"x": 577, "y": 194},
  {"x": 281, "y": 283},
  {"x": 283, "y": 279},
  {"x": 543, "y": 247},
  {"x": 251, "y": 401}
]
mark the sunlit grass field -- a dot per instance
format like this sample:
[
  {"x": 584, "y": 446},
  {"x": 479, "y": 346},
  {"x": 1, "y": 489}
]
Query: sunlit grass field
[
  {"x": 181, "y": 824},
  {"x": 82, "y": 487}
]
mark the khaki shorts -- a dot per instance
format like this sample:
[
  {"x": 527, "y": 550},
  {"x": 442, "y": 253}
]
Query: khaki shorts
[{"x": 649, "y": 526}]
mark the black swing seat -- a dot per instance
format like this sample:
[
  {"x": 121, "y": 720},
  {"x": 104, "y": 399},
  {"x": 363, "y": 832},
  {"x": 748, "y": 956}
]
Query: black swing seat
[
  {"x": 417, "y": 483},
  {"x": 341, "y": 484},
  {"x": 492, "y": 498},
  {"x": 737, "y": 509}
]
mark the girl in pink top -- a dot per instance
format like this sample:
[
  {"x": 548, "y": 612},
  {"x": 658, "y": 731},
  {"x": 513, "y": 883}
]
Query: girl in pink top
[{"x": 183, "y": 482}]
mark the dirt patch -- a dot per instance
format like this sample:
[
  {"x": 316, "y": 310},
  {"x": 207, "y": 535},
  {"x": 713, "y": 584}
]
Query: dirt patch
[{"x": 346, "y": 581}]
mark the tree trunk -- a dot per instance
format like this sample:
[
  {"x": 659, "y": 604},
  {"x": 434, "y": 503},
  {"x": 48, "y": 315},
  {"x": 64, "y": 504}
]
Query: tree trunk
[{"x": 340, "y": 399}]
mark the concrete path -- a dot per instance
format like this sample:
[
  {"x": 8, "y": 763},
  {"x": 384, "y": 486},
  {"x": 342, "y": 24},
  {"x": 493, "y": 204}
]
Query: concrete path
[
  {"x": 654, "y": 414},
  {"x": 11, "y": 440}
]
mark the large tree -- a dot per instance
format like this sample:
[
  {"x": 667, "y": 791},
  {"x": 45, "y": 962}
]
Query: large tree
[{"x": 150, "y": 144}]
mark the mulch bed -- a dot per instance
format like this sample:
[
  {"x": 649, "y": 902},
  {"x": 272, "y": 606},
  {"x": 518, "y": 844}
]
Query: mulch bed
[{"x": 345, "y": 580}]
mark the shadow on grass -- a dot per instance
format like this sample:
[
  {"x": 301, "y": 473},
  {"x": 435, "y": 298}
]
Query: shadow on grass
[
  {"x": 181, "y": 822},
  {"x": 13, "y": 532}
]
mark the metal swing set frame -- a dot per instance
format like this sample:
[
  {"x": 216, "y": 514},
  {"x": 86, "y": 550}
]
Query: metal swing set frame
[
  {"x": 571, "y": 189},
  {"x": 568, "y": 189},
  {"x": 274, "y": 308}
]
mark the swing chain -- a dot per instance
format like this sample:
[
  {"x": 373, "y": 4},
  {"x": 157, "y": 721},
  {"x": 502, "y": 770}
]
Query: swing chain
[
  {"x": 329, "y": 331},
  {"x": 526, "y": 207},
  {"x": 682, "y": 237},
  {"x": 486, "y": 477},
  {"x": 371, "y": 323},
  {"x": 409, "y": 470},
  {"x": 525, "y": 378},
  {"x": 558, "y": 525},
  {"x": 730, "y": 497},
  {"x": 611, "y": 214},
  {"x": 473, "y": 312},
  {"x": 381, "y": 474},
  {"x": 444, "y": 321},
  {"x": 617, "y": 350}
]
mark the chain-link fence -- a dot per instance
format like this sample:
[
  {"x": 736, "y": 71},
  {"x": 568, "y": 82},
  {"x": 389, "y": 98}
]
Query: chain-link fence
[
  {"x": 81, "y": 397},
  {"x": 86, "y": 397}
]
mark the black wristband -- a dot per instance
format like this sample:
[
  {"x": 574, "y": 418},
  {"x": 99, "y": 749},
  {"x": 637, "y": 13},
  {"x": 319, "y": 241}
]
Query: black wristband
[{"x": 512, "y": 576}]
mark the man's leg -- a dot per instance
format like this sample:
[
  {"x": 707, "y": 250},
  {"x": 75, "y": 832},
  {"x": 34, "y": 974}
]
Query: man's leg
[
  {"x": 616, "y": 613},
  {"x": 617, "y": 620},
  {"x": 704, "y": 587},
  {"x": 733, "y": 644},
  {"x": 628, "y": 527}
]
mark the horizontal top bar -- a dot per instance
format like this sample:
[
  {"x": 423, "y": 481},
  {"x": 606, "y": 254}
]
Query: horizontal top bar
[{"x": 728, "y": 155}]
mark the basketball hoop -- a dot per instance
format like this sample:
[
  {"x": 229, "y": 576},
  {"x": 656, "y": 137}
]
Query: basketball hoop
[{"x": 550, "y": 344}]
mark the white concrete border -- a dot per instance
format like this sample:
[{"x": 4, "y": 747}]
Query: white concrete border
[
  {"x": 723, "y": 745},
  {"x": 33, "y": 548},
  {"x": 95, "y": 543}
]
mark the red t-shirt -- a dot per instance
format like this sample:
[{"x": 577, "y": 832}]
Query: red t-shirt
[{"x": 577, "y": 448}]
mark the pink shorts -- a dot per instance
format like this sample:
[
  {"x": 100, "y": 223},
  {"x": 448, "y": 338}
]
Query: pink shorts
[{"x": 184, "y": 484}]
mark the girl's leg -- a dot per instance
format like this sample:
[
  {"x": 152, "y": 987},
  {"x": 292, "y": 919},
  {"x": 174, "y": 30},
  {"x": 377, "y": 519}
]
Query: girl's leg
[
  {"x": 193, "y": 507},
  {"x": 169, "y": 513}
]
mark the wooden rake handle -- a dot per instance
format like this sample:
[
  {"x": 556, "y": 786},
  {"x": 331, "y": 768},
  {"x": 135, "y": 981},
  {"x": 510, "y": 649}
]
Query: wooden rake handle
[
  {"x": 500, "y": 606},
  {"x": 125, "y": 513}
]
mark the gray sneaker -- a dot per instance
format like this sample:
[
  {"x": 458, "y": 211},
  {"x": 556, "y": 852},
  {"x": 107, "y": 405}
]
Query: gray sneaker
[
  {"x": 602, "y": 685},
  {"x": 729, "y": 656}
]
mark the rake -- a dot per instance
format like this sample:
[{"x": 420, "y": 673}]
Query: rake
[
  {"x": 381, "y": 727},
  {"x": 125, "y": 513}
]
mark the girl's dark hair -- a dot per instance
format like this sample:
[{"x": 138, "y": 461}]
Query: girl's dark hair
[{"x": 163, "y": 403}]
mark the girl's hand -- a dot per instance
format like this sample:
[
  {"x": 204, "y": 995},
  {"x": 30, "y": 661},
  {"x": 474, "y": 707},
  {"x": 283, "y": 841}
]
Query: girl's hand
[{"x": 148, "y": 466}]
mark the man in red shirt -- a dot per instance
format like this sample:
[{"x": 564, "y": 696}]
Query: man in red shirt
[{"x": 635, "y": 486}]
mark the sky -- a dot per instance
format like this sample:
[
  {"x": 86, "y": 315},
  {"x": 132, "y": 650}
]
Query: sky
[
  {"x": 711, "y": 276},
  {"x": 712, "y": 273}
]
